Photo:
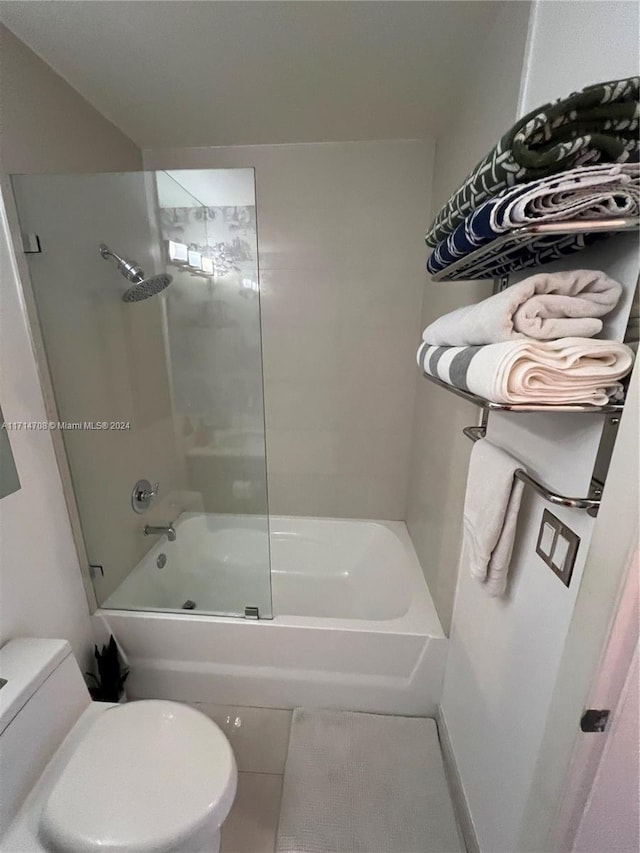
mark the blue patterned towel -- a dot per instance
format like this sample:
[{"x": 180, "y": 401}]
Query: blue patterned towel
[{"x": 589, "y": 193}]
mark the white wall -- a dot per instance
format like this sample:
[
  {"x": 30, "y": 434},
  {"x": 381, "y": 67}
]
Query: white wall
[
  {"x": 561, "y": 55},
  {"x": 46, "y": 127},
  {"x": 41, "y": 591},
  {"x": 505, "y": 654},
  {"x": 439, "y": 453},
  {"x": 341, "y": 247}
]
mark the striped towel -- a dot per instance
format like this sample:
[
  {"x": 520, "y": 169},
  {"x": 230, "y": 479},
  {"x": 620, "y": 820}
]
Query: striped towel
[
  {"x": 588, "y": 193},
  {"x": 596, "y": 125},
  {"x": 567, "y": 371}
]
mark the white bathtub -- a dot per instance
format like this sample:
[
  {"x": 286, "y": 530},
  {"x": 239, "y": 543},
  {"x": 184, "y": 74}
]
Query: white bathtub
[{"x": 353, "y": 623}]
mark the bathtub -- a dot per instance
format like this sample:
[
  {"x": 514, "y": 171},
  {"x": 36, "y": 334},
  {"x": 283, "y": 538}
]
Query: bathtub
[{"x": 353, "y": 624}]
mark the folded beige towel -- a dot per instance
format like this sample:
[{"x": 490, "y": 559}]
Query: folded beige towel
[
  {"x": 491, "y": 509},
  {"x": 544, "y": 306},
  {"x": 559, "y": 373}
]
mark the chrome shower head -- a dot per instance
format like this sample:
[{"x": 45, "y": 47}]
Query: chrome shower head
[
  {"x": 141, "y": 287},
  {"x": 147, "y": 287}
]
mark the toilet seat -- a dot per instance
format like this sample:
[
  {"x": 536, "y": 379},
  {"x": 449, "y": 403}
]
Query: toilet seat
[{"x": 145, "y": 778}]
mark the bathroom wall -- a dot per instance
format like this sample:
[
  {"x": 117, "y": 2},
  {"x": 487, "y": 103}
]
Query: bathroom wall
[
  {"x": 341, "y": 249},
  {"x": 41, "y": 592},
  {"x": 505, "y": 654},
  {"x": 439, "y": 452},
  {"x": 45, "y": 127}
]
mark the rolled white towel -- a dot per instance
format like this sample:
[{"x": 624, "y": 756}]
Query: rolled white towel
[
  {"x": 569, "y": 371},
  {"x": 544, "y": 306}
]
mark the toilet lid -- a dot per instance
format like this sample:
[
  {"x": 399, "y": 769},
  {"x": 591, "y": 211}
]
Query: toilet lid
[{"x": 144, "y": 778}]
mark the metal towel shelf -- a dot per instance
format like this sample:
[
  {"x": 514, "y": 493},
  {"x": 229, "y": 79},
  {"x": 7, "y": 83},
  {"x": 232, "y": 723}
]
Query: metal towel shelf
[
  {"x": 591, "y": 504},
  {"x": 489, "y": 405}
]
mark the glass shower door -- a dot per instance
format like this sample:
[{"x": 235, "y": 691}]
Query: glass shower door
[{"x": 164, "y": 389}]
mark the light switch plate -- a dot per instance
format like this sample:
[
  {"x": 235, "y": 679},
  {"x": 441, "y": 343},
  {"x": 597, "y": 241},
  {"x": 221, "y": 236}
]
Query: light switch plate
[
  {"x": 557, "y": 545},
  {"x": 560, "y": 553},
  {"x": 547, "y": 539}
]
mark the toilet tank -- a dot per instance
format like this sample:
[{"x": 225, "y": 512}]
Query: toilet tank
[{"x": 42, "y": 695}]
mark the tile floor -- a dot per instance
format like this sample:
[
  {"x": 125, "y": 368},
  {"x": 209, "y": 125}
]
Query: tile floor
[
  {"x": 253, "y": 822},
  {"x": 259, "y": 737}
]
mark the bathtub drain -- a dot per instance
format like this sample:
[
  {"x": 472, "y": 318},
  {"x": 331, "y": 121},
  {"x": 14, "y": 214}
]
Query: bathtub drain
[{"x": 189, "y": 605}]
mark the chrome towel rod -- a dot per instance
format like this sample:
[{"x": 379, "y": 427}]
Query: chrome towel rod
[{"x": 591, "y": 504}]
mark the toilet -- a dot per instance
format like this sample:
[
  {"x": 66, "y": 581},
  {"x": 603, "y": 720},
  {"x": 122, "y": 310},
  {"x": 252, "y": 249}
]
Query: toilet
[{"x": 78, "y": 776}]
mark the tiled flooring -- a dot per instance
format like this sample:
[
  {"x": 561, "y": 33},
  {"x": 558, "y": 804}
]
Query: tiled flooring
[
  {"x": 253, "y": 822},
  {"x": 259, "y": 737}
]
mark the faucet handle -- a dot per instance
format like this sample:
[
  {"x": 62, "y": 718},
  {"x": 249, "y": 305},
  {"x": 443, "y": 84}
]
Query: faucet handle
[
  {"x": 150, "y": 493},
  {"x": 142, "y": 495}
]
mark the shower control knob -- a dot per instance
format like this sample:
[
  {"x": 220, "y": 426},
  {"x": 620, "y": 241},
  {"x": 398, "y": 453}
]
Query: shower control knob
[{"x": 143, "y": 494}]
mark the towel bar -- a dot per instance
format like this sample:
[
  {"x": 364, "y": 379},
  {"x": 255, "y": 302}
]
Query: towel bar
[{"x": 590, "y": 504}]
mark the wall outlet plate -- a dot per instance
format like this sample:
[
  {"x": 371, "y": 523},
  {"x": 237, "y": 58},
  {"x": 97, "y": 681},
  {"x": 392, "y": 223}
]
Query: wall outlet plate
[{"x": 557, "y": 546}]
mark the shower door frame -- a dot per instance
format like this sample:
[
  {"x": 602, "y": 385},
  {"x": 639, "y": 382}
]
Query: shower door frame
[{"x": 46, "y": 385}]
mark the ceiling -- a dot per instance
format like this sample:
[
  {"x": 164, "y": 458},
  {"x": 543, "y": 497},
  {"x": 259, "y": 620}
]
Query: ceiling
[{"x": 180, "y": 73}]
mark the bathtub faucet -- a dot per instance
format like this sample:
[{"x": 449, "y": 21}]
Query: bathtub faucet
[{"x": 169, "y": 529}]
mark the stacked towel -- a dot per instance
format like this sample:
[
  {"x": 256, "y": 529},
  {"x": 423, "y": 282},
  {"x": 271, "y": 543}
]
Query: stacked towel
[
  {"x": 543, "y": 306},
  {"x": 597, "y": 125},
  {"x": 518, "y": 255},
  {"x": 589, "y": 193},
  {"x": 491, "y": 513},
  {"x": 565, "y": 372},
  {"x": 632, "y": 336}
]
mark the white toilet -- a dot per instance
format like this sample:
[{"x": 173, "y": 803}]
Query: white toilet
[{"x": 81, "y": 776}]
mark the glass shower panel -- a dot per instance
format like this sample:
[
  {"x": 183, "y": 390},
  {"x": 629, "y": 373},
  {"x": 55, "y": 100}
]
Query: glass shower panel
[
  {"x": 214, "y": 339},
  {"x": 145, "y": 389},
  {"x": 215, "y": 358}
]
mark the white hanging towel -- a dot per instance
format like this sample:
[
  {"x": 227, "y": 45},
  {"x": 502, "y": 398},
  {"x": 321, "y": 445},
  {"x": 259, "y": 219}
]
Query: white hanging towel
[{"x": 491, "y": 509}]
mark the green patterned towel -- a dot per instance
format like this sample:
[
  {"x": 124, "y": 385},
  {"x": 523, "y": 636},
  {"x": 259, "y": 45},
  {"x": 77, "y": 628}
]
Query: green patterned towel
[{"x": 597, "y": 125}]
